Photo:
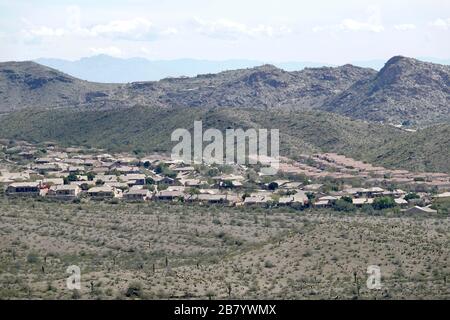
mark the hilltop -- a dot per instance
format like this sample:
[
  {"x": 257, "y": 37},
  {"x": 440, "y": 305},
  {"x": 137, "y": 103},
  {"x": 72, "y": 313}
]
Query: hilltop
[
  {"x": 28, "y": 84},
  {"x": 405, "y": 89}
]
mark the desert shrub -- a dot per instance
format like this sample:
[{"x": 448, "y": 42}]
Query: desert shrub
[
  {"x": 342, "y": 205},
  {"x": 411, "y": 196},
  {"x": 368, "y": 209},
  {"x": 114, "y": 201},
  {"x": 272, "y": 186},
  {"x": 32, "y": 257},
  {"x": 383, "y": 203},
  {"x": 269, "y": 264},
  {"x": 134, "y": 290},
  {"x": 76, "y": 294}
]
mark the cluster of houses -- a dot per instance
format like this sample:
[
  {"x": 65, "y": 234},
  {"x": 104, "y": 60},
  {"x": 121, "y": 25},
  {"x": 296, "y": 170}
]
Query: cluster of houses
[
  {"x": 72, "y": 173},
  {"x": 335, "y": 166}
]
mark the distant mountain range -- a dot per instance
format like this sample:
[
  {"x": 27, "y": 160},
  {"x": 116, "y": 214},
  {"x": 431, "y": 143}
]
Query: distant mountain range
[{"x": 107, "y": 69}]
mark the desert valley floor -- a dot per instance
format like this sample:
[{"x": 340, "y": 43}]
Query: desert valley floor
[{"x": 168, "y": 250}]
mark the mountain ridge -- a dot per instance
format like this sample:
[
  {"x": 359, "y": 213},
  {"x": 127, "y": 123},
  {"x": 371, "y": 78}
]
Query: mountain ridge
[{"x": 405, "y": 91}]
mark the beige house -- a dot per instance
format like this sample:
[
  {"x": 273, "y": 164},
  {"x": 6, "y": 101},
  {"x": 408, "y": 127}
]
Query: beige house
[
  {"x": 117, "y": 185},
  {"x": 169, "y": 195},
  {"x": 104, "y": 192},
  {"x": 401, "y": 202},
  {"x": 224, "y": 199},
  {"x": 24, "y": 189},
  {"x": 53, "y": 181},
  {"x": 106, "y": 178},
  {"x": 359, "y": 202},
  {"x": 256, "y": 200},
  {"x": 137, "y": 195},
  {"x": 322, "y": 204},
  {"x": 298, "y": 198},
  {"x": 134, "y": 179},
  {"x": 66, "y": 192}
]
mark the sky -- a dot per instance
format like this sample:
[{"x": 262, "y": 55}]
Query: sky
[{"x": 327, "y": 31}]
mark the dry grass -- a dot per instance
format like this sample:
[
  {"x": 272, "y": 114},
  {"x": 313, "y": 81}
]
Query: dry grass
[{"x": 216, "y": 252}]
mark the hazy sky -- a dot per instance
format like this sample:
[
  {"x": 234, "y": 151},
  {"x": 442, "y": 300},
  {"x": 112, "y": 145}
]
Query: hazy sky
[{"x": 283, "y": 30}]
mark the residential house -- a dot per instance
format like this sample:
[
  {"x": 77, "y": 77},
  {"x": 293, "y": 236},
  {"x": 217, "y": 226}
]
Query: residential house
[
  {"x": 292, "y": 185},
  {"x": 359, "y": 202},
  {"x": 75, "y": 169},
  {"x": 137, "y": 195},
  {"x": 106, "y": 178},
  {"x": 296, "y": 199},
  {"x": 322, "y": 204},
  {"x": 119, "y": 185},
  {"x": 224, "y": 199},
  {"x": 127, "y": 169},
  {"x": 191, "y": 182},
  {"x": 169, "y": 195},
  {"x": 64, "y": 192},
  {"x": 24, "y": 189},
  {"x": 43, "y": 160},
  {"x": 163, "y": 180},
  {"x": 401, "y": 202},
  {"x": 313, "y": 187},
  {"x": 134, "y": 179},
  {"x": 104, "y": 192},
  {"x": 176, "y": 188},
  {"x": 257, "y": 200},
  {"x": 184, "y": 169},
  {"x": 46, "y": 168},
  {"x": 84, "y": 185},
  {"x": 53, "y": 181}
]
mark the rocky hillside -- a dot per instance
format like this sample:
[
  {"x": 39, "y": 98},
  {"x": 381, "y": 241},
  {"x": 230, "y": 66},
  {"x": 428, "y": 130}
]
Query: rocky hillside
[
  {"x": 29, "y": 85},
  {"x": 404, "y": 91},
  {"x": 261, "y": 87}
]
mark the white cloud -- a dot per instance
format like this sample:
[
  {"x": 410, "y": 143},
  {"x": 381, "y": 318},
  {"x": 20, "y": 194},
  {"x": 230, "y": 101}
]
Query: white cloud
[
  {"x": 111, "y": 51},
  {"x": 228, "y": 29},
  {"x": 132, "y": 29},
  {"x": 441, "y": 23},
  {"x": 371, "y": 24},
  {"x": 43, "y": 31},
  {"x": 354, "y": 25},
  {"x": 405, "y": 27},
  {"x": 137, "y": 28}
]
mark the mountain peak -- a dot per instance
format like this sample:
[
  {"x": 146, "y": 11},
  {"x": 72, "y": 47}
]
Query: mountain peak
[
  {"x": 396, "y": 59},
  {"x": 266, "y": 68}
]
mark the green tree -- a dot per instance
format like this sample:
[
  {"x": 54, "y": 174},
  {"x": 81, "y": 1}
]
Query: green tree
[
  {"x": 90, "y": 176},
  {"x": 272, "y": 186},
  {"x": 383, "y": 203},
  {"x": 411, "y": 196}
]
